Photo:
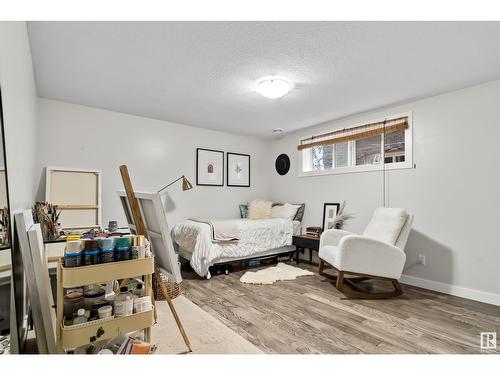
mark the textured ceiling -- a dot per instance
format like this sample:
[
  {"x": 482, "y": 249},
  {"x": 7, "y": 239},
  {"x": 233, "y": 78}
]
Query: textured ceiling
[{"x": 203, "y": 73}]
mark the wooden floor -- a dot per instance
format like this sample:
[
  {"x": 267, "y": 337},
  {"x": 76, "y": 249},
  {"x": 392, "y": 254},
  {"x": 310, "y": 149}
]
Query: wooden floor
[{"x": 308, "y": 315}]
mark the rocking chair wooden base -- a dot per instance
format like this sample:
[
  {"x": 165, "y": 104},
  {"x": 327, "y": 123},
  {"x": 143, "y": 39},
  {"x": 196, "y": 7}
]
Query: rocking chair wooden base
[{"x": 347, "y": 285}]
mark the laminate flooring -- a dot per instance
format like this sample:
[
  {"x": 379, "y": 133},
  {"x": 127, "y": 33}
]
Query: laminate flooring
[{"x": 308, "y": 315}]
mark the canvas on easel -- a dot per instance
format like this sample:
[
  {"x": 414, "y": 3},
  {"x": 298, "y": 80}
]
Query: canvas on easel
[
  {"x": 157, "y": 230},
  {"x": 146, "y": 217}
]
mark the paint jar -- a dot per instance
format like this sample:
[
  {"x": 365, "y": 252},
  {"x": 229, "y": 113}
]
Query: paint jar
[
  {"x": 107, "y": 243},
  {"x": 90, "y": 257},
  {"x": 122, "y": 249},
  {"x": 72, "y": 302},
  {"x": 68, "y": 320},
  {"x": 106, "y": 256},
  {"x": 105, "y": 312},
  {"x": 122, "y": 253},
  {"x": 90, "y": 252},
  {"x": 72, "y": 254},
  {"x": 130, "y": 238},
  {"x": 93, "y": 297},
  {"x": 123, "y": 303}
]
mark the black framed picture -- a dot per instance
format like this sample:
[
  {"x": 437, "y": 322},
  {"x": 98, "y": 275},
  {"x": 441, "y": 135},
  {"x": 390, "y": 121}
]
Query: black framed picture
[
  {"x": 209, "y": 167},
  {"x": 238, "y": 169},
  {"x": 330, "y": 211}
]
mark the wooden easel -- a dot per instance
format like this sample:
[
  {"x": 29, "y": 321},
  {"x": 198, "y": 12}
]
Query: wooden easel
[{"x": 141, "y": 230}]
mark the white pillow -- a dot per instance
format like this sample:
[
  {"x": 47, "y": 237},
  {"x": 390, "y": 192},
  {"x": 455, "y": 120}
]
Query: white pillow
[
  {"x": 259, "y": 209},
  {"x": 285, "y": 211},
  {"x": 386, "y": 224}
]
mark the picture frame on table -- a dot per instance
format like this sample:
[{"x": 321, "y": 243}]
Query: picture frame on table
[
  {"x": 330, "y": 211},
  {"x": 209, "y": 167},
  {"x": 238, "y": 169}
]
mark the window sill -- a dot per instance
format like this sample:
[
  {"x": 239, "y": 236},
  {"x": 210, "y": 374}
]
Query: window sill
[{"x": 358, "y": 169}]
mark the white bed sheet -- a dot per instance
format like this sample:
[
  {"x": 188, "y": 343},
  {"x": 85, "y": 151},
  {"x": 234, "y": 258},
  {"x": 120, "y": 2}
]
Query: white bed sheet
[{"x": 256, "y": 236}]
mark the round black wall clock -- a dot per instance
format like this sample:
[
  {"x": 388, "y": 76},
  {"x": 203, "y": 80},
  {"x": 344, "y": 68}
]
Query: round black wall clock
[{"x": 282, "y": 164}]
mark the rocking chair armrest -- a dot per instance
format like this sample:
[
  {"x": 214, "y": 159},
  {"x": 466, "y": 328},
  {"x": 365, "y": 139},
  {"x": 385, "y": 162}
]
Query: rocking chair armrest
[
  {"x": 368, "y": 256},
  {"x": 332, "y": 237}
]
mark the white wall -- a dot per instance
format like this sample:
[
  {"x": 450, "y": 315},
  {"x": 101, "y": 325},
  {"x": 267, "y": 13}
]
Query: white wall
[
  {"x": 454, "y": 192},
  {"x": 20, "y": 110},
  {"x": 156, "y": 153}
]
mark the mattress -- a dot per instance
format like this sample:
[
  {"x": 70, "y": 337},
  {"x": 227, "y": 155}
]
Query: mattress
[{"x": 256, "y": 237}]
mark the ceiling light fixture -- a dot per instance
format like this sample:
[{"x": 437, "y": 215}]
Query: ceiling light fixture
[{"x": 273, "y": 87}]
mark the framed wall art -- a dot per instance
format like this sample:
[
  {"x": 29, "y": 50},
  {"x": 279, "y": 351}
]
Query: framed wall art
[
  {"x": 330, "y": 211},
  {"x": 238, "y": 170},
  {"x": 209, "y": 167}
]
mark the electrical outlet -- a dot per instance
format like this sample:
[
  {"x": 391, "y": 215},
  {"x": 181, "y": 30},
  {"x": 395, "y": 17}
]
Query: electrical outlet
[{"x": 421, "y": 259}]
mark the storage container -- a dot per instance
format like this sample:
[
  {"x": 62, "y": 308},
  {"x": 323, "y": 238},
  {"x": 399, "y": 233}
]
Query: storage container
[
  {"x": 72, "y": 302},
  {"x": 91, "y": 298},
  {"x": 105, "y": 312}
]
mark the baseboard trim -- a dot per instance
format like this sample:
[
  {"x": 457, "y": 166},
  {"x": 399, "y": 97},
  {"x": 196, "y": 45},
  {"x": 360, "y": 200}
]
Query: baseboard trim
[{"x": 474, "y": 294}]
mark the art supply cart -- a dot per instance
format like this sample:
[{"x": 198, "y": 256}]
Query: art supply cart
[{"x": 70, "y": 337}]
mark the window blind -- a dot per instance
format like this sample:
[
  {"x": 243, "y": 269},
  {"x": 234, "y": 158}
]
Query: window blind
[{"x": 357, "y": 132}]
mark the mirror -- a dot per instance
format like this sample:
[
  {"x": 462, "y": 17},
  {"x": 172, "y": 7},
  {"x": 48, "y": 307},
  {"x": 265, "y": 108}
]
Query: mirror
[{"x": 5, "y": 252}]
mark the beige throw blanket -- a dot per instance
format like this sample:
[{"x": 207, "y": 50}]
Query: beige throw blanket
[{"x": 222, "y": 230}]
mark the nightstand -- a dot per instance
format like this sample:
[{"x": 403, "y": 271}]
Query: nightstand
[{"x": 303, "y": 242}]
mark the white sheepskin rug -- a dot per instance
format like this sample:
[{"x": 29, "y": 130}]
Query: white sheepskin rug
[{"x": 272, "y": 274}]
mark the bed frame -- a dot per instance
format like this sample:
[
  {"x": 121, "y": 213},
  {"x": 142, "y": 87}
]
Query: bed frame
[{"x": 285, "y": 251}]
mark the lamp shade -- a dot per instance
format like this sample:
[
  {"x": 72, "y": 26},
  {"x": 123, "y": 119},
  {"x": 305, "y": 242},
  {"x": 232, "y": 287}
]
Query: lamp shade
[{"x": 186, "y": 185}]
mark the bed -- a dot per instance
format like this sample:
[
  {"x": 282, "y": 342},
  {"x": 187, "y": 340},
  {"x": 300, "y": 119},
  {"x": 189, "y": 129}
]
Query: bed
[{"x": 257, "y": 238}]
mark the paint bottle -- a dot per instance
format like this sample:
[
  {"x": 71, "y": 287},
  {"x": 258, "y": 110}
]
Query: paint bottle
[
  {"x": 138, "y": 250},
  {"x": 123, "y": 303}
]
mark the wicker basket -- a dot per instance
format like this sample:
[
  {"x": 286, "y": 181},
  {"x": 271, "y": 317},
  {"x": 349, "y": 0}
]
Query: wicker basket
[{"x": 173, "y": 289}]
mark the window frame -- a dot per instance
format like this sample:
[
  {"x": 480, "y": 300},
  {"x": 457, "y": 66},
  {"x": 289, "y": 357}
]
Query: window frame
[{"x": 407, "y": 164}]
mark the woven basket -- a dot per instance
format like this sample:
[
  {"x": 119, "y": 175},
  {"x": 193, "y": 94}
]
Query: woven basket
[{"x": 173, "y": 289}]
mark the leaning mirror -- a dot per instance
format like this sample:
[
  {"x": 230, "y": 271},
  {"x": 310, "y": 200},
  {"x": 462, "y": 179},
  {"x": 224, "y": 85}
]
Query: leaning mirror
[{"x": 5, "y": 253}]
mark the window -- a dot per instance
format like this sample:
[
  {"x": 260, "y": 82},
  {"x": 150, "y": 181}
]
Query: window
[
  {"x": 369, "y": 150},
  {"x": 372, "y": 146}
]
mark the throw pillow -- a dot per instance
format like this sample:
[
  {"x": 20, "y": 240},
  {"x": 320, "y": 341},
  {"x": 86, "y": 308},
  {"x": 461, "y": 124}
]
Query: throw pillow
[
  {"x": 300, "y": 212},
  {"x": 259, "y": 209},
  {"x": 285, "y": 211}
]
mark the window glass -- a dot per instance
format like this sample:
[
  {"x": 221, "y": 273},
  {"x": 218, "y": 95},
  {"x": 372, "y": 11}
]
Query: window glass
[
  {"x": 394, "y": 147},
  {"x": 341, "y": 155},
  {"x": 322, "y": 157},
  {"x": 368, "y": 150}
]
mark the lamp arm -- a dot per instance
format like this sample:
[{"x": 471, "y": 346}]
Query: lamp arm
[{"x": 173, "y": 182}]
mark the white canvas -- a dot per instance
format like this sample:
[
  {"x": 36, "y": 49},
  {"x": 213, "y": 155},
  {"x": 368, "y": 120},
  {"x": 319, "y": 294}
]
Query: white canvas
[{"x": 155, "y": 221}]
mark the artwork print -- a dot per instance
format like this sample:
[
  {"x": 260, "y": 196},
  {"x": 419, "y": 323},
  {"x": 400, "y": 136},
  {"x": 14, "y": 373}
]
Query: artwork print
[
  {"x": 238, "y": 170},
  {"x": 209, "y": 167},
  {"x": 330, "y": 211}
]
